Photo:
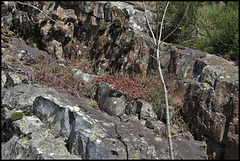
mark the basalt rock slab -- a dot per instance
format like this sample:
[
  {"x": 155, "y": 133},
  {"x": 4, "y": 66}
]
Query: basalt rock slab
[
  {"x": 210, "y": 101},
  {"x": 81, "y": 131},
  {"x": 112, "y": 34}
]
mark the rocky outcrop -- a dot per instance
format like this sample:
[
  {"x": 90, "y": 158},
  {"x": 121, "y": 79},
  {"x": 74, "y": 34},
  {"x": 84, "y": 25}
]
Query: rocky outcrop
[
  {"x": 209, "y": 98},
  {"x": 113, "y": 35},
  {"x": 78, "y": 130}
]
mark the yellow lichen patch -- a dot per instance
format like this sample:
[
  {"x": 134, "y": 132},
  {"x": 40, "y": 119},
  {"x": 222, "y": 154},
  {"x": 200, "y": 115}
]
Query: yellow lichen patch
[
  {"x": 4, "y": 31},
  {"x": 95, "y": 132}
]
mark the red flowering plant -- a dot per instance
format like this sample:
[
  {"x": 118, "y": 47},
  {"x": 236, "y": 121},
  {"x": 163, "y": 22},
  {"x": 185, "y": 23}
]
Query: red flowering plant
[
  {"x": 135, "y": 87},
  {"x": 59, "y": 77}
]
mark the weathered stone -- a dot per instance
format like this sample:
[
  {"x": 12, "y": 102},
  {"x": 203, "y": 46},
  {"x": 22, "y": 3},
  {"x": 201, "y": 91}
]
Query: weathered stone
[
  {"x": 232, "y": 142},
  {"x": 87, "y": 133},
  {"x": 208, "y": 86},
  {"x": 160, "y": 110},
  {"x": 37, "y": 145},
  {"x": 147, "y": 110},
  {"x": 112, "y": 101}
]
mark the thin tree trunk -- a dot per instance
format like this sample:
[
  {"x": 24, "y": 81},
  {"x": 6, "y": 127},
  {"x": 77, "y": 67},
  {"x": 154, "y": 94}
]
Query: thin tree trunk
[
  {"x": 166, "y": 106},
  {"x": 157, "y": 43}
]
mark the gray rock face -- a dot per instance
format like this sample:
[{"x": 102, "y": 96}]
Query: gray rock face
[
  {"x": 115, "y": 37},
  {"x": 80, "y": 131},
  {"x": 209, "y": 96}
]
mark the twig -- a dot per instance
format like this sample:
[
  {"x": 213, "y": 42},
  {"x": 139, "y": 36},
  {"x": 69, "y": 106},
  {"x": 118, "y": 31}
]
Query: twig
[
  {"x": 177, "y": 25},
  {"x": 162, "y": 24},
  {"x": 154, "y": 39},
  {"x": 28, "y": 4}
]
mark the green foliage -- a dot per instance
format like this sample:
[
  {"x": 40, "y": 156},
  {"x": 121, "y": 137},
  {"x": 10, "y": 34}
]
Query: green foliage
[
  {"x": 51, "y": 3},
  {"x": 175, "y": 13},
  {"x": 16, "y": 116},
  {"x": 219, "y": 29},
  {"x": 212, "y": 27}
]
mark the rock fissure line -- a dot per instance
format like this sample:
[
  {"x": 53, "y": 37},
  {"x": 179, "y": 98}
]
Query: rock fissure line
[{"x": 120, "y": 139}]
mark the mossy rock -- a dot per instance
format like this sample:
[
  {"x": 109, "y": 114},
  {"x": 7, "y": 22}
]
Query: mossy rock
[{"x": 16, "y": 116}]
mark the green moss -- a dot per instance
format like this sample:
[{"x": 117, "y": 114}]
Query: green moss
[
  {"x": 94, "y": 104},
  {"x": 16, "y": 116},
  {"x": 84, "y": 108},
  {"x": 4, "y": 105}
]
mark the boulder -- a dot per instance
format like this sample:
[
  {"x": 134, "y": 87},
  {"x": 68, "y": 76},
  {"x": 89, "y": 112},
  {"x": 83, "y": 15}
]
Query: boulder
[
  {"x": 210, "y": 100},
  {"x": 110, "y": 100}
]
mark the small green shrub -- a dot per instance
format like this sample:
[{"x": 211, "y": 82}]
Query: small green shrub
[{"x": 219, "y": 29}]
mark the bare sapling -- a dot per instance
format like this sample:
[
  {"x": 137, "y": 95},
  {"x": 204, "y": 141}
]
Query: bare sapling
[{"x": 157, "y": 44}]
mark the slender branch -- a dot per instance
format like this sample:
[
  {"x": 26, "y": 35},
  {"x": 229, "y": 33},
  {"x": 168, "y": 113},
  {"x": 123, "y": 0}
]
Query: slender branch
[
  {"x": 177, "y": 25},
  {"x": 157, "y": 20},
  {"x": 162, "y": 24},
  {"x": 154, "y": 39},
  {"x": 28, "y": 4}
]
